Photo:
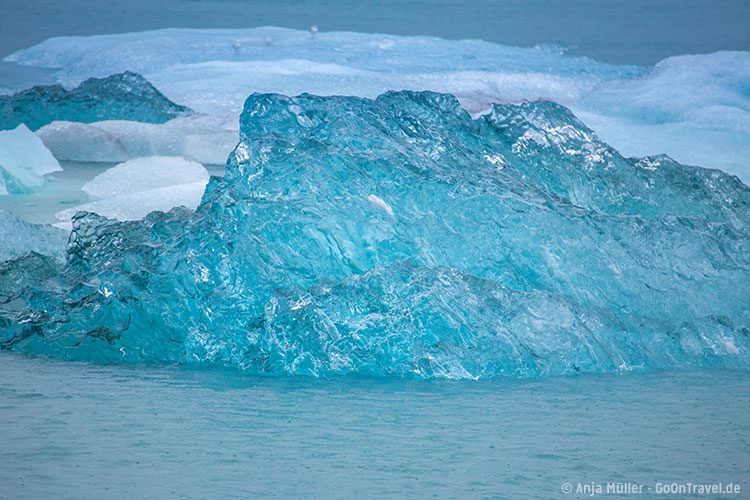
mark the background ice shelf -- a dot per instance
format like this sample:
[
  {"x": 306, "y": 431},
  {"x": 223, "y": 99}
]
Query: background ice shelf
[{"x": 673, "y": 108}]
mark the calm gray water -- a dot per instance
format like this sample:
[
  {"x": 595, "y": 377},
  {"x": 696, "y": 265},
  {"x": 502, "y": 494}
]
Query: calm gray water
[
  {"x": 71, "y": 430},
  {"x": 630, "y": 32}
]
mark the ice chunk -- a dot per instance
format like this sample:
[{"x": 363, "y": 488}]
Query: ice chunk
[
  {"x": 19, "y": 238},
  {"x": 125, "y": 96},
  {"x": 133, "y": 189},
  {"x": 145, "y": 173},
  {"x": 137, "y": 204},
  {"x": 358, "y": 236},
  {"x": 24, "y": 160},
  {"x": 204, "y": 139}
]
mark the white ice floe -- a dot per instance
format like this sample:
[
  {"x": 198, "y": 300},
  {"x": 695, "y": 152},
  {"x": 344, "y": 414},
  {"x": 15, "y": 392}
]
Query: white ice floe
[
  {"x": 24, "y": 160},
  {"x": 205, "y": 139},
  {"x": 132, "y": 190},
  {"x": 213, "y": 71},
  {"x": 694, "y": 108}
]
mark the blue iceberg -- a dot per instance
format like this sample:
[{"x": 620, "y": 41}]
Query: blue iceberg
[
  {"x": 124, "y": 96},
  {"x": 399, "y": 237}
]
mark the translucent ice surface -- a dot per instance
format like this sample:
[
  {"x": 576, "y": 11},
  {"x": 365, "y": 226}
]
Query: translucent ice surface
[
  {"x": 133, "y": 189},
  {"x": 201, "y": 138},
  {"x": 125, "y": 96},
  {"x": 694, "y": 108},
  {"x": 19, "y": 238},
  {"x": 398, "y": 237},
  {"x": 24, "y": 161}
]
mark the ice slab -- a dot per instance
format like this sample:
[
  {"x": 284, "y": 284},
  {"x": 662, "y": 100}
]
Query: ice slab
[
  {"x": 399, "y": 237},
  {"x": 126, "y": 96},
  {"x": 150, "y": 52},
  {"x": 24, "y": 160},
  {"x": 133, "y": 189},
  {"x": 201, "y": 138}
]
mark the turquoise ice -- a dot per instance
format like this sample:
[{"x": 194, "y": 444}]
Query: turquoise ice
[
  {"x": 399, "y": 237},
  {"x": 124, "y": 96},
  {"x": 20, "y": 238}
]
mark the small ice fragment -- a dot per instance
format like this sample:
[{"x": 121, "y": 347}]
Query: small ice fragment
[
  {"x": 24, "y": 160},
  {"x": 142, "y": 174},
  {"x": 132, "y": 190},
  {"x": 378, "y": 202}
]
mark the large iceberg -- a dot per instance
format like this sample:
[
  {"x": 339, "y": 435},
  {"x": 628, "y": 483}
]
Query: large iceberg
[
  {"x": 399, "y": 237},
  {"x": 24, "y": 161},
  {"x": 694, "y": 108},
  {"x": 125, "y": 96}
]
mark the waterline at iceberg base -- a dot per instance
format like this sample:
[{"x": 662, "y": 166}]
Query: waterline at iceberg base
[{"x": 398, "y": 237}]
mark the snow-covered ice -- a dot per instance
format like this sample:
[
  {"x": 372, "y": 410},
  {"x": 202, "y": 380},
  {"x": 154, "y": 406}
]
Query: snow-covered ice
[{"x": 696, "y": 108}]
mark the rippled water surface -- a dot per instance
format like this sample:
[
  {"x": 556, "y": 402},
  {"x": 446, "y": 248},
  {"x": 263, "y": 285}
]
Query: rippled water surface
[{"x": 71, "y": 430}]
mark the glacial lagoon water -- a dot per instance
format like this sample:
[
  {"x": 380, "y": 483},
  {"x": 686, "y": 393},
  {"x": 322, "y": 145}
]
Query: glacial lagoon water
[{"x": 76, "y": 430}]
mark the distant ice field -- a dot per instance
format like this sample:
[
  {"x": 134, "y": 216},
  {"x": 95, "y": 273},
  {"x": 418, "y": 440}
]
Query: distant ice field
[
  {"x": 694, "y": 108},
  {"x": 633, "y": 32}
]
